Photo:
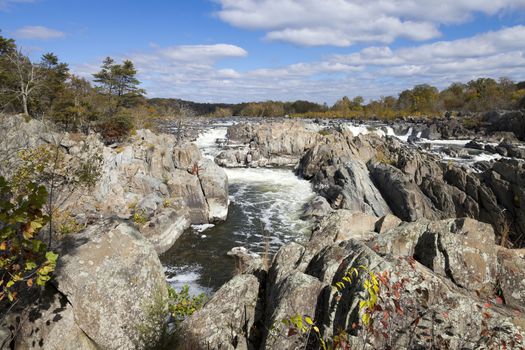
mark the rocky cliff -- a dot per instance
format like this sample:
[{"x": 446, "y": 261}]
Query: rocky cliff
[
  {"x": 441, "y": 284},
  {"x": 109, "y": 289}
]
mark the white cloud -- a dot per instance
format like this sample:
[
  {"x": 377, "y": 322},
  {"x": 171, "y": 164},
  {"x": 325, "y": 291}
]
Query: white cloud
[
  {"x": 38, "y": 32},
  {"x": 191, "y": 72},
  {"x": 479, "y": 46},
  {"x": 344, "y": 22},
  {"x": 206, "y": 53}
]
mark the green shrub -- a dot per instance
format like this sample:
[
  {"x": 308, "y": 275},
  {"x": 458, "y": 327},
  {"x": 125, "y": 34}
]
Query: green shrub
[
  {"x": 182, "y": 305},
  {"x": 116, "y": 128},
  {"x": 24, "y": 259}
]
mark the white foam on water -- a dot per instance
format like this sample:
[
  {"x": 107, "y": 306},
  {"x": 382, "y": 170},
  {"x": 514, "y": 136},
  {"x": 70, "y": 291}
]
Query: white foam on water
[
  {"x": 201, "y": 228},
  {"x": 370, "y": 129},
  {"x": 207, "y": 141},
  {"x": 486, "y": 157},
  {"x": 357, "y": 129},
  {"x": 273, "y": 198},
  {"x": 404, "y": 138},
  {"x": 445, "y": 142},
  {"x": 179, "y": 277}
]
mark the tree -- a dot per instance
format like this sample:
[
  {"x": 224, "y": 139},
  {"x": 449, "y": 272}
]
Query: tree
[
  {"x": 119, "y": 83},
  {"x": 24, "y": 259},
  {"x": 25, "y": 77},
  {"x": 54, "y": 77},
  {"x": 453, "y": 97},
  {"x": 342, "y": 105},
  {"x": 422, "y": 98}
]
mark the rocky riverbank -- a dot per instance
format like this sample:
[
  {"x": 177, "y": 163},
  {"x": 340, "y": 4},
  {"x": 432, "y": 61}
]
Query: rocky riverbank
[
  {"x": 109, "y": 280},
  {"x": 393, "y": 214},
  {"x": 412, "y": 247}
]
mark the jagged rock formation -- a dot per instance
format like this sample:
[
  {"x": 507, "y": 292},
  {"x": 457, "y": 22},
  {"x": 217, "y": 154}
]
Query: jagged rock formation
[
  {"x": 161, "y": 185},
  {"x": 441, "y": 276},
  {"x": 267, "y": 144},
  {"x": 108, "y": 284}
]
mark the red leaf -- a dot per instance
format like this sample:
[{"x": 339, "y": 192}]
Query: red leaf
[
  {"x": 499, "y": 300},
  {"x": 487, "y": 305},
  {"x": 386, "y": 315}
]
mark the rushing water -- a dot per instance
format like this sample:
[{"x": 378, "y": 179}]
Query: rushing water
[
  {"x": 264, "y": 210},
  {"x": 265, "y": 205}
]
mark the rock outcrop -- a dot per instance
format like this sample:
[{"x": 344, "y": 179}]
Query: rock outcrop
[
  {"x": 108, "y": 292},
  {"x": 431, "y": 275},
  {"x": 161, "y": 185},
  {"x": 267, "y": 144}
]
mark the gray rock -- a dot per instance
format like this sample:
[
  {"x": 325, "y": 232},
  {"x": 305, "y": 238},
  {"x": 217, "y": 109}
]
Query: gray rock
[
  {"x": 50, "y": 325},
  {"x": 166, "y": 227},
  {"x": 214, "y": 183},
  {"x": 227, "y": 320},
  {"x": 185, "y": 156},
  {"x": 403, "y": 196},
  {"x": 268, "y": 144},
  {"x": 317, "y": 208},
  {"x": 111, "y": 276},
  {"x": 387, "y": 223}
]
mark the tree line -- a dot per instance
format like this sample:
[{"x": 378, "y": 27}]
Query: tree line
[
  {"x": 475, "y": 96},
  {"x": 113, "y": 103}
]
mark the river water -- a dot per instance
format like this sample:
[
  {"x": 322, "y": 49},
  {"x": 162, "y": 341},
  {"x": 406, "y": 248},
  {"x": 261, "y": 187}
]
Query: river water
[{"x": 265, "y": 205}]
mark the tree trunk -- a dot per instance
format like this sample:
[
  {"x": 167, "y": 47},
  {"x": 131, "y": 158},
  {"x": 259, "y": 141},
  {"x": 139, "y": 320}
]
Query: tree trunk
[{"x": 24, "y": 104}]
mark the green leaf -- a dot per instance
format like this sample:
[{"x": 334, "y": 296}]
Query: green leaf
[
  {"x": 30, "y": 265},
  {"x": 308, "y": 320},
  {"x": 52, "y": 257}
]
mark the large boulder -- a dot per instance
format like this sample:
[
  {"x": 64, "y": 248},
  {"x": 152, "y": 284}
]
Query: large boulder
[
  {"x": 267, "y": 144},
  {"x": 230, "y": 320},
  {"x": 507, "y": 121},
  {"x": 111, "y": 277},
  {"x": 214, "y": 183},
  {"x": 166, "y": 227},
  {"x": 462, "y": 250},
  {"x": 338, "y": 172},
  {"x": 50, "y": 325},
  {"x": 401, "y": 193}
]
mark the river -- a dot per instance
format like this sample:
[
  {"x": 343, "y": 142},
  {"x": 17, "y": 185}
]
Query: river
[
  {"x": 264, "y": 210},
  {"x": 265, "y": 205}
]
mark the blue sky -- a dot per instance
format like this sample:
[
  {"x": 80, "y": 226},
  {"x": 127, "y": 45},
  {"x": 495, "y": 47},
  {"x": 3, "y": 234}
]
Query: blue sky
[{"x": 241, "y": 50}]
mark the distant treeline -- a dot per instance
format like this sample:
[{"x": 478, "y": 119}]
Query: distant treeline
[
  {"x": 114, "y": 104},
  {"x": 480, "y": 95}
]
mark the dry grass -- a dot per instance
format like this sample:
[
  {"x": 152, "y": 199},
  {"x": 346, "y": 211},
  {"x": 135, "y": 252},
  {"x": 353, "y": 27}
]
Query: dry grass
[{"x": 504, "y": 232}]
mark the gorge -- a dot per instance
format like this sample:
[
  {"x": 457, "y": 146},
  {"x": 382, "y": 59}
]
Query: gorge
[{"x": 293, "y": 206}]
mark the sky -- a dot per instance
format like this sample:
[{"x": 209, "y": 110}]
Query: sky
[{"x": 255, "y": 50}]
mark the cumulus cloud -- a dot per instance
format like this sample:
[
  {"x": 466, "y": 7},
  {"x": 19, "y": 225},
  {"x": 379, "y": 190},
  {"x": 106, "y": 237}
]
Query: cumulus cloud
[
  {"x": 38, "y": 32},
  {"x": 477, "y": 48},
  {"x": 192, "y": 72},
  {"x": 344, "y": 22}
]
